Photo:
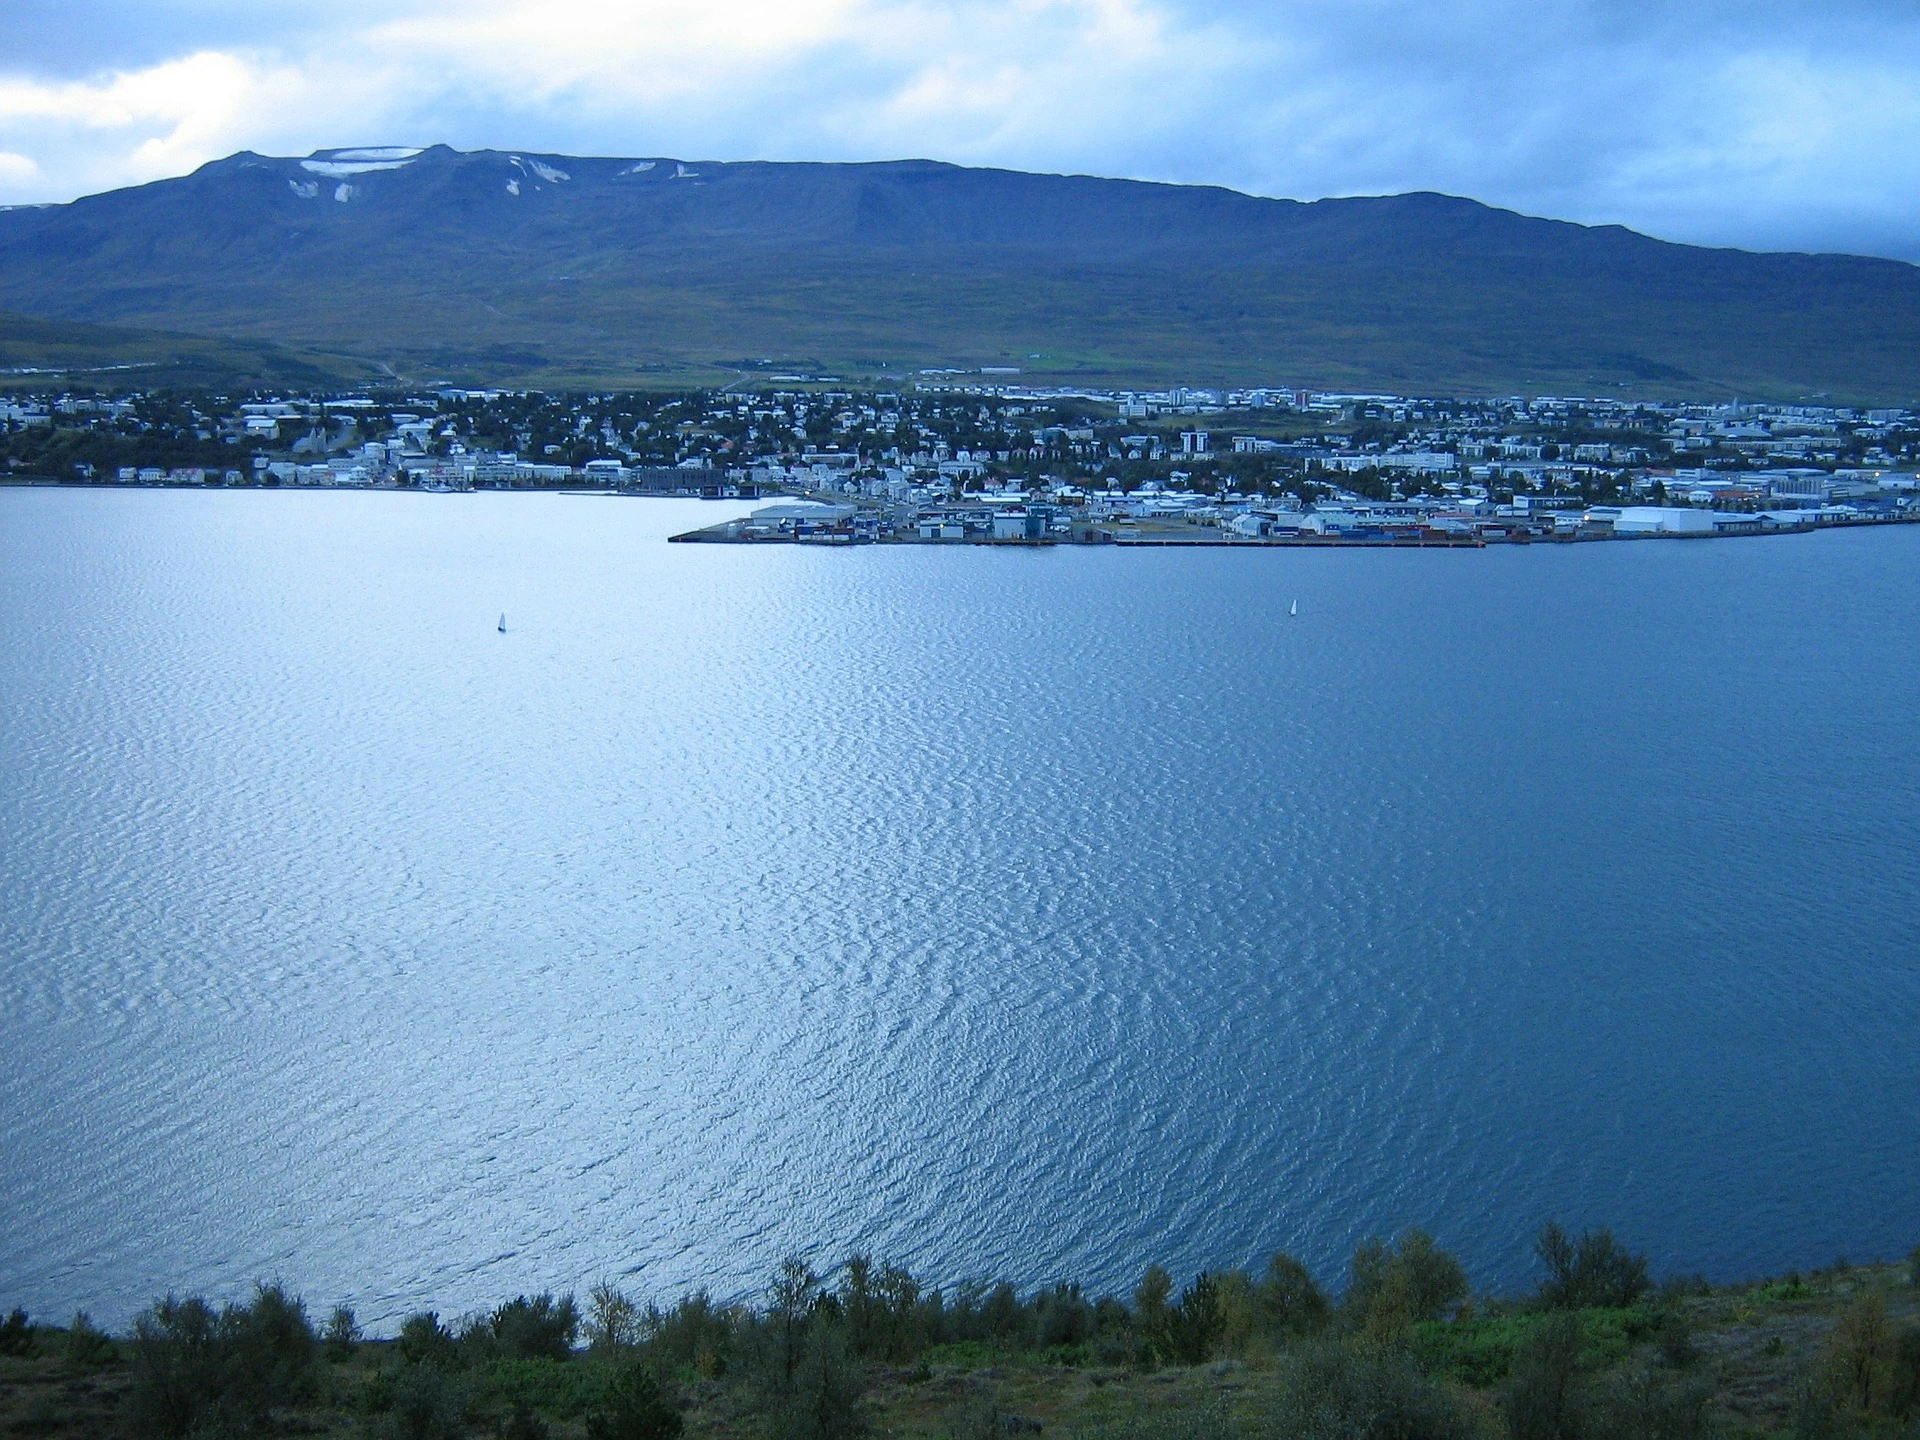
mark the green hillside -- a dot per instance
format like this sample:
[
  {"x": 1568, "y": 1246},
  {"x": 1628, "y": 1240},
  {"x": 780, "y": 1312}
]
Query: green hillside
[
  {"x": 557, "y": 270},
  {"x": 36, "y": 353}
]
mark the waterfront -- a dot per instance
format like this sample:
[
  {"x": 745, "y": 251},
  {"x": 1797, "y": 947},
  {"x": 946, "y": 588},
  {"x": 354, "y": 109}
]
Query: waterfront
[{"x": 1044, "y": 912}]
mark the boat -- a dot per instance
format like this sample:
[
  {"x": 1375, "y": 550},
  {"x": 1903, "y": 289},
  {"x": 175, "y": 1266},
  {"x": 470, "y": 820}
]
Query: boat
[
  {"x": 503, "y": 622},
  {"x": 1293, "y": 609}
]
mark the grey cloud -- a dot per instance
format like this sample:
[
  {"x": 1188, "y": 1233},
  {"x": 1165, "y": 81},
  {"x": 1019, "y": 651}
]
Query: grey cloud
[{"x": 1766, "y": 123}]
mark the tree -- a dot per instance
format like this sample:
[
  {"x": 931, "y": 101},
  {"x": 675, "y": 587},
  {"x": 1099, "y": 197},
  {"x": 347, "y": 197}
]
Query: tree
[
  {"x": 613, "y": 1321},
  {"x": 824, "y": 1403},
  {"x": 1860, "y": 1347},
  {"x": 1395, "y": 1286},
  {"x": 540, "y": 1328},
  {"x": 1546, "y": 1396},
  {"x": 1287, "y": 1298},
  {"x": 1150, "y": 1311},
  {"x": 791, "y": 1299},
  {"x": 1196, "y": 1324},
  {"x": 1595, "y": 1270},
  {"x": 635, "y": 1410}
]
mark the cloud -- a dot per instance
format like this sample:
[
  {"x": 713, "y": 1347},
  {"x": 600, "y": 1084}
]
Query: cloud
[
  {"x": 17, "y": 172},
  {"x": 1766, "y": 123}
]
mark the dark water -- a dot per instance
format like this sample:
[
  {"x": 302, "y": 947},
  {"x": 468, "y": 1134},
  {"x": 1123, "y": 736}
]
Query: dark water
[{"x": 1035, "y": 914}]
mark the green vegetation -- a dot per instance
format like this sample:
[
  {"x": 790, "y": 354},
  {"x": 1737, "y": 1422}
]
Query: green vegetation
[
  {"x": 37, "y": 352},
  {"x": 867, "y": 1350},
  {"x": 435, "y": 271}
]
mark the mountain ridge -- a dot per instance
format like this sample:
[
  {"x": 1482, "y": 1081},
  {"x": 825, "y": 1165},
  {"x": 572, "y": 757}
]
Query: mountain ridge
[{"x": 525, "y": 267}]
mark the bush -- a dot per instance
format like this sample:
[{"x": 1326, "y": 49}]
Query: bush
[
  {"x": 694, "y": 1335},
  {"x": 634, "y": 1410},
  {"x": 16, "y": 1335},
  {"x": 1336, "y": 1390},
  {"x": 523, "y": 1424},
  {"x": 423, "y": 1402},
  {"x": 342, "y": 1334},
  {"x": 558, "y": 1387},
  {"x": 1546, "y": 1396},
  {"x": 1859, "y": 1350},
  {"x": 1195, "y": 1326},
  {"x": 613, "y": 1321},
  {"x": 1062, "y": 1318},
  {"x": 537, "y": 1329},
  {"x": 1903, "y": 1388},
  {"x": 1151, "y": 1313},
  {"x": 1288, "y": 1300},
  {"x": 88, "y": 1346},
  {"x": 1394, "y": 1287},
  {"x": 425, "y": 1341},
  {"x": 1595, "y": 1271},
  {"x": 1673, "y": 1334},
  {"x": 196, "y": 1370},
  {"x": 1642, "y": 1406},
  {"x": 825, "y": 1400}
]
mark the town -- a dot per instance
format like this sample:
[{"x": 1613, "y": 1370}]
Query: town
[{"x": 979, "y": 459}]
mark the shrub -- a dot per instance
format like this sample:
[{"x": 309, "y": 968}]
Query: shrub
[
  {"x": 1396, "y": 1286},
  {"x": 1546, "y": 1396},
  {"x": 1593, "y": 1271},
  {"x": 1333, "y": 1389},
  {"x": 87, "y": 1345},
  {"x": 1288, "y": 1300},
  {"x": 423, "y": 1402},
  {"x": 1150, "y": 1313},
  {"x": 825, "y": 1399},
  {"x": 16, "y": 1335},
  {"x": 1642, "y": 1406},
  {"x": 523, "y": 1424},
  {"x": 1816, "y": 1415},
  {"x": 634, "y": 1410},
  {"x": 613, "y": 1321},
  {"x": 694, "y": 1335},
  {"x": 558, "y": 1387},
  {"x": 1061, "y": 1318},
  {"x": 272, "y": 1352},
  {"x": 342, "y": 1333},
  {"x": 197, "y": 1370},
  {"x": 537, "y": 1328},
  {"x": 1195, "y": 1326},
  {"x": 425, "y": 1341},
  {"x": 1903, "y": 1388},
  {"x": 1859, "y": 1349},
  {"x": 1673, "y": 1334}
]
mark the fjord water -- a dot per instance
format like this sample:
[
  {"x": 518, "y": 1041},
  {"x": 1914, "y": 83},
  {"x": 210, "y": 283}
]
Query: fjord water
[{"x": 1033, "y": 914}]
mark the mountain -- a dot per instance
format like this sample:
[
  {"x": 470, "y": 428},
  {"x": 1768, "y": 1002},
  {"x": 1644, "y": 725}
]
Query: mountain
[{"x": 548, "y": 269}]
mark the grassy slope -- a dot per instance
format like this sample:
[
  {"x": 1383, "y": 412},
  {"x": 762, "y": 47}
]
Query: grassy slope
[
  {"x": 437, "y": 271},
  {"x": 35, "y": 353},
  {"x": 1756, "y": 1342}
]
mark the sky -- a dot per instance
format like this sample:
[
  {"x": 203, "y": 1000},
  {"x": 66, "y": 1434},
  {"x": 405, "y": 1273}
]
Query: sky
[{"x": 1767, "y": 124}]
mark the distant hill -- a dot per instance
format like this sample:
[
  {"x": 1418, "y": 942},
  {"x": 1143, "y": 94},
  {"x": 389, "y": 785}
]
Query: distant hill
[
  {"x": 553, "y": 270},
  {"x": 36, "y": 352}
]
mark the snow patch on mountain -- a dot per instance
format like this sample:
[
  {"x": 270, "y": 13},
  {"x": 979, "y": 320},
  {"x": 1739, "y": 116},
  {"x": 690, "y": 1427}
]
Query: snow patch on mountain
[
  {"x": 377, "y": 152},
  {"x": 334, "y": 169}
]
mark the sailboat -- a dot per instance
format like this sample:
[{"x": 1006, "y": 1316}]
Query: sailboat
[
  {"x": 503, "y": 622},
  {"x": 1293, "y": 609}
]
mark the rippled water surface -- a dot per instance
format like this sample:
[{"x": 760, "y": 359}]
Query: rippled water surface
[{"x": 1039, "y": 914}]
